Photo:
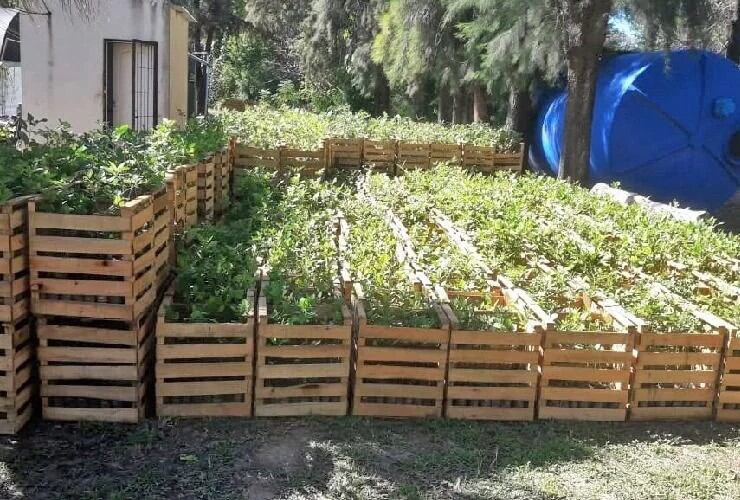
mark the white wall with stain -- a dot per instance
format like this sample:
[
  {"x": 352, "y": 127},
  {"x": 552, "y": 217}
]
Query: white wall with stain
[{"x": 63, "y": 54}]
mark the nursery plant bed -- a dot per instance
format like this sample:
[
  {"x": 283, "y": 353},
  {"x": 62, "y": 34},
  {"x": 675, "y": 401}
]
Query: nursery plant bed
[
  {"x": 93, "y": 266},
  {"x": 18, "y": 385},
  {"x": 302, "y": 369},
  {"x": 203, "y": 369}
]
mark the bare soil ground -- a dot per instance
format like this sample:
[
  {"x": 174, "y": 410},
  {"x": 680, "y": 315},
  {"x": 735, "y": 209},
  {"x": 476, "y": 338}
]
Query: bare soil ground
[{"x": 351, "y": 458}]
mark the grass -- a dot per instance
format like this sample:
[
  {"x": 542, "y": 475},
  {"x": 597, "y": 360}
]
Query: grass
[{"x": 354, "y": 458}]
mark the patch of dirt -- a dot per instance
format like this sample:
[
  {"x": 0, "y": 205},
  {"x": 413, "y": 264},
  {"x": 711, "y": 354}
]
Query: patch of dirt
[{"x": 284, "y": 452}]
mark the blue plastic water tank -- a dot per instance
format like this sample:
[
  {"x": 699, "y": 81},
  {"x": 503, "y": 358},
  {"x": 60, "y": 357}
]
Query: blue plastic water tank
[{"x": 666, "y": 125}]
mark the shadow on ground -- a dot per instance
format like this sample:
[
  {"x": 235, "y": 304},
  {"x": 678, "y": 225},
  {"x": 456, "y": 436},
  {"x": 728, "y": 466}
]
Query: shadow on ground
[{"x": 373, "y": 459}]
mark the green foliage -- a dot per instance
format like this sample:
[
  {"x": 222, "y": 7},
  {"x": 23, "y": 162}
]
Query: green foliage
[
  {"x": 302, "y": 255},
  {"x": 517, "y": 222},
  {"x": 245, "y": 68},
  {"x": 266, "y": 127},
  {"x": 218, "y": 265},
  {"x": 98, "y": 171}
]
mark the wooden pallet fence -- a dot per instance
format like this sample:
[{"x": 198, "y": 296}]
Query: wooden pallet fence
[
  {"x": 14, "y": 268},
  {"x": 354, "y": 153},
  {"x": 586, "y": 375},
  {"x": 93, "y": 266},
  {"x": 413, "y": 156},
  {"x": 676, "y": 375},
  {"x": 203, "y": 369},
  {"x": 95, "y": 369},
  {"x": 163, "y": 243},
  {"x": 302, "y": 369},
  {"x": 18, "y": 384},
  {"x": 400, "y": 371},
  {"x": 441, "y": 153},
  {"x": 250, "y": 157},
  {"x": 380, "y": 154},
  {"x": 728, "y": 403},
  {"x": 206, "y": 190},
  {"x": 344, "y": 153}
]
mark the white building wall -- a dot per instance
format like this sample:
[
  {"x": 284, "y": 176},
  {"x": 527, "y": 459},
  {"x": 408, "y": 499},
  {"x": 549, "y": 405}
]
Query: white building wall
[{"x": 62, "y": 57}]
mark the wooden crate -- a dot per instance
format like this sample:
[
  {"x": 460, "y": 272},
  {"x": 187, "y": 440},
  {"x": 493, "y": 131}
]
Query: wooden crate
[
  {"x": 305, "y": 160},
  {"x": 586, "y": 375},
  {"x": 206, "y": 190},
  {"x": 728, "y": 403},
  {"x": 250, "y": 157},
  {"x": 218, "y": 195},
  {"x": 175, "y": 183},
  {"x": 204, "y": 369},
  {"x": 190, "y": 194},
  {"x": 440, "y": 153},
  {"x": 479, "y": 158},
  {"x": 400, "y": 371},
  {"x": 302, "y": 369},
  {"x": 94, "y": 369},
  {"x": 343, "y": 153},
  {"x": 380, "y": 154},
  {"x": 676, "y": 376},
  {"x": 163, "y": 243},
  {"x": 18, "y": 385},
  {"x": 492, "y": 375},
  {"x": 93, "y": 266},
  {"x": 411, "y": 156},
  {"x": 14, "y": 268},
  {"x": 509, "y": 161}
]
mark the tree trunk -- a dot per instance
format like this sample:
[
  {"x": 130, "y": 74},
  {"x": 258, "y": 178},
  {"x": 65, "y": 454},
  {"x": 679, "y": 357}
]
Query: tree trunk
[
  {"x": 519, "y": 113},
  {"x": 480, "y": 104},
  {"x": 382, "y": 92},
  {"x": 444, "y": 105},
  {"x": 586, "y": 24},
  {"x": 733, "y": 48},
  {"x": 459, "y": 103}
]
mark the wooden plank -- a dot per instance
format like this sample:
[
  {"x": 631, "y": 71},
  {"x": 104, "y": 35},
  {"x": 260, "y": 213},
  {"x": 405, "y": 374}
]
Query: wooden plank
[
  {"x": 586, "y": 414},
  {"x": 300, "y": 409},
  {"x": 204, "y": 388},
  {"x": 205, "y": 410},
  {"x": 396, "y": 410},
  {"x": 584, "y": 394},
  {"x": 120, "y": 415},
  {"x": 480, "y": 413},
  {"x": 197, "y": 370},
  {"x": 399, "y": 391}
]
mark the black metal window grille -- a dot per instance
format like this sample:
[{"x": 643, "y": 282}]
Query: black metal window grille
[{"x": 144, "y": 82}]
